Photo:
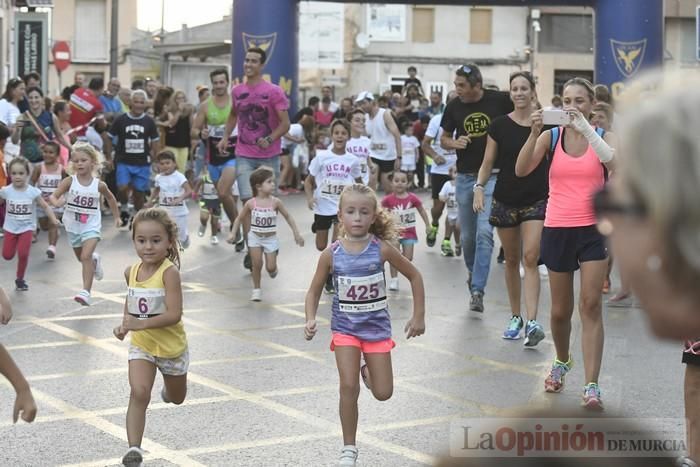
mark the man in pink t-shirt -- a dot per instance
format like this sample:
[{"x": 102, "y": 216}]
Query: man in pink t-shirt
[{"x": 259, "y": 109}]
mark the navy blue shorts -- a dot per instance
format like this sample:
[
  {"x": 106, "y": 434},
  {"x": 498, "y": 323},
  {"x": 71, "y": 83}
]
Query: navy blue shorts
[
  {"x": 138, "y": 176},
  {"x": 563, "y": 249}
]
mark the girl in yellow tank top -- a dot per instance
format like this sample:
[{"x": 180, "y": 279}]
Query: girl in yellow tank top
[{"x": 153, "y": 314}]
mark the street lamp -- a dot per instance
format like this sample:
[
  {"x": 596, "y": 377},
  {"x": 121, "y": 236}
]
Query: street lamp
[{"x": 536, "y": 29}]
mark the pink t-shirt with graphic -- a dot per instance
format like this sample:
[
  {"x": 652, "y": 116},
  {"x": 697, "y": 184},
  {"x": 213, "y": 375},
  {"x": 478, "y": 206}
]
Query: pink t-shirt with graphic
[
  {"x": 256, "y": 106},
  {"x": 405, "y": 213}
]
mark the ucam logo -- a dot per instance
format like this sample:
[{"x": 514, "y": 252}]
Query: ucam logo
[
  {"x": 263, "y": 41},
  {"x": 628, "y": 55}
]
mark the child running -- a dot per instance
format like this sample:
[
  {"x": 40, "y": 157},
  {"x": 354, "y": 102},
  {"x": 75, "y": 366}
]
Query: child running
[
  {"x": 447, "y": 195},
  {"x": 20, "y": 217},
  {"x": 209, "y": 206},
  {"x": 360, "y": 322},
  {"x": 82, "y": 217},
  {"x": 329, "y": 173},
  {"x": 403, "y": 205},
  {"x": 409, "y": 152},
  {"x": 46, "y": 177},
  {"x": 153, "y": 312},
  {"x": 259, "y": 214},
  {"x": 170, "y": 191},
  {"x": 24, "y": 401}
]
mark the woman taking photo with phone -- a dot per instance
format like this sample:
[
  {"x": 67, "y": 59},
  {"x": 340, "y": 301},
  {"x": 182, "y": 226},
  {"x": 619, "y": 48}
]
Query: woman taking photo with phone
[
  {"x": 518, "y": 206},
  {"x": 578, "y": 166}
]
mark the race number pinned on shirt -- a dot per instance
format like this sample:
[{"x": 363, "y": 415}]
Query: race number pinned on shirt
[
  {"x": 134, "y": 146},
  {"x": 167, "y": 200},
  {"x": 19, "y": 210},
  {"x": 263, "y": 220},
  {"x": 406, "y": 217},
  {"x": 83, "y": 204},
  {"x": 216, "y": 131},
  {"x": 145, "y": 303},
  {"x": 362, "y": 294},
  {"x": 332, "y": 188}
]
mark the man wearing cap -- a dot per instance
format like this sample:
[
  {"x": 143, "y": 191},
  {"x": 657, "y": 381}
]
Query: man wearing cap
[
  {"x": 465, "y": 123},
  {"x": 385, "y": 147}
]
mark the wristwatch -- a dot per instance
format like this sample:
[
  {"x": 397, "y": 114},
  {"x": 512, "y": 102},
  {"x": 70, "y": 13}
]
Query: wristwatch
[
  {"x": 478, "y": 186},
  {"x": 268, "y": 138}
]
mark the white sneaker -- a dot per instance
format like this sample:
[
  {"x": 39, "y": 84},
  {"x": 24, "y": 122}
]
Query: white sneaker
[
  {"x": 348, "y": 456},
  {"x": 543, "y": 270},
  {"x": 83, "y": 297},
  {"x": 214, "y": 240},
  {"x": 394, "y": 284},
  {"x": 256, "y": 296},
  {"x": 133, "y": 457},
  {"x": 97, "y": 261},
  {"x": 201, "y": 230}
]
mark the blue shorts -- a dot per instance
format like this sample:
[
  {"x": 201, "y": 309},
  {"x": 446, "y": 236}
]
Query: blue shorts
[
  {"x": 407, "y": 241},
  {"x": 215, "y": 171},
  {"x": 77, "y": 239},
  {"x": 138, "y": 176}
]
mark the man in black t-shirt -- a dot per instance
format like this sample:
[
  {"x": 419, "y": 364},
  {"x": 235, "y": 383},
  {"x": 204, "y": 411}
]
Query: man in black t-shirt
[
  {"x": 136, "y": 136},
  {"x": 465, "y": 123}
]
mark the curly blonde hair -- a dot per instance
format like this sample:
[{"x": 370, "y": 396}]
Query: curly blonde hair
[
  {"x": 384, "y": 226},
  {"x": 90, "y": 151},
  {"x": 160, "y": 216}
]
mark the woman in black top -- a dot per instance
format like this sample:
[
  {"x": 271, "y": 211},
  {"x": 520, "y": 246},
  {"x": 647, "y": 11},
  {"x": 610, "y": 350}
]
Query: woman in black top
[
  {"x": 177, "y": 134},
  {"x": 518, "y": 206}
]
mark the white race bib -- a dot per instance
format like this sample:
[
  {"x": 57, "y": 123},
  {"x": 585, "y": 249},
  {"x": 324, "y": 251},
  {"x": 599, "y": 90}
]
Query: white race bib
[
  {"x": 362, "y": 294},
  {"x": 332, "y": 188},
  {"x": 134, "y": 146},
  {"x": 216, "y": 131},
  {"x": 263, "y": 220},
  {"x": 406, "y": 217},
  {"x": 19, "y": 210},
  {"x": 145, "y": 303}
]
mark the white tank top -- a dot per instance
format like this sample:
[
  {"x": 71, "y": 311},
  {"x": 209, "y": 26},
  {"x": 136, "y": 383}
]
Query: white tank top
[
  {"x": 83, "y": 207},
  {"x": 263, "y": 220},
  {"x": 48, "y": 182},
  {"x": 383, "y": 146}
]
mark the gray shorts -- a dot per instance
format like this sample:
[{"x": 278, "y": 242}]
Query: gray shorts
[{"x": 168, "y": 366}]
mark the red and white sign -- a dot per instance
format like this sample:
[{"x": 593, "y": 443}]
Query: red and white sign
[{"x": 61, "y": 55}]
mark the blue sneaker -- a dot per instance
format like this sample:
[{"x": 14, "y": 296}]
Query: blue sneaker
[
  {"x": 514, "y": 327},
  {"x": 533, "y": 333}
]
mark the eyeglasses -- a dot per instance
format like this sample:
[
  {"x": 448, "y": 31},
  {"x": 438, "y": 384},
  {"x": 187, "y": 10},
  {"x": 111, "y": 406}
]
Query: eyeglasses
[
  {"x": 465, "y": 69},
  {"x": 603, "y": 204}
]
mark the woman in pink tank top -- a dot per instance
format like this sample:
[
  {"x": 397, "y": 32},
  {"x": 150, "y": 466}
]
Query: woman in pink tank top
[{"x": 570, "y": 239}]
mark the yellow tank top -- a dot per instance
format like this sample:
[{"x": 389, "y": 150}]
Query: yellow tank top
[{"x": 146, "y": 299}]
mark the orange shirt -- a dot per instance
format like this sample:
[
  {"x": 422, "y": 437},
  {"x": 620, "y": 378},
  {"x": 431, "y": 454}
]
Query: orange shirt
[{"x": 3, "y": 175}]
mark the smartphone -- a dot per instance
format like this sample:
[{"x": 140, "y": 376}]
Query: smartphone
[{"x": 556, "y": 117}]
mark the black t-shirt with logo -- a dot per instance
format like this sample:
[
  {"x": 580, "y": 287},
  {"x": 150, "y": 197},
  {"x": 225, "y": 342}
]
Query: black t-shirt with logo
[
  {"x": 512, "y": 190},
  {"x": 134, "y": 137},
  {"x": 473, "y": 119}
]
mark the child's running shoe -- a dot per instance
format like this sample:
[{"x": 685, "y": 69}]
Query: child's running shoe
[
  {"x": 458, "y": 249},
  {"x": 83, "y": 297},
  {"x": 133, "y": 457},
  {"x": 431, "y": 235},
  {"x": 201, "y": 230},
  {"x": 515, "y": 325},
  {"x": 534, "y": 333},
  {"x": 591, "y": 397},
  {"x": 97, "y": 262},
  {"x": 446, "y": 248},
  {"x": 186, "y": 243},
  {"x": 256, "y": 296},
  {"x": 348, "y": 456},
  {"x": 21, "y": 285},
  {"x": 556, "y": 377},
  {"x": 51, "y": 252},
  {"x": 214, "y": 240},
  {"x": 394, "y": 284}
]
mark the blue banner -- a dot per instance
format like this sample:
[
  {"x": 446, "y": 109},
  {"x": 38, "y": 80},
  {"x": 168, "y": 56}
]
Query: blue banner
[
  {"x": 273, "y": 28},
  {"x": 629, "y": 39}
]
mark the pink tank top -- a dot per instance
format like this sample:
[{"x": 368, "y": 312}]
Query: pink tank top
[{"x": 572, "y": 183}]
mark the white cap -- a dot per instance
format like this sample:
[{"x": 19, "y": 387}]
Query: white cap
[{"x": 364, "y": 95}]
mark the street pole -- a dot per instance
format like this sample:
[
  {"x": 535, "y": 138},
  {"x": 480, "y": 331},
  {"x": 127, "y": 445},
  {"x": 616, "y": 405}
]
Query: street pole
[{"x": 114, "y": 40}]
